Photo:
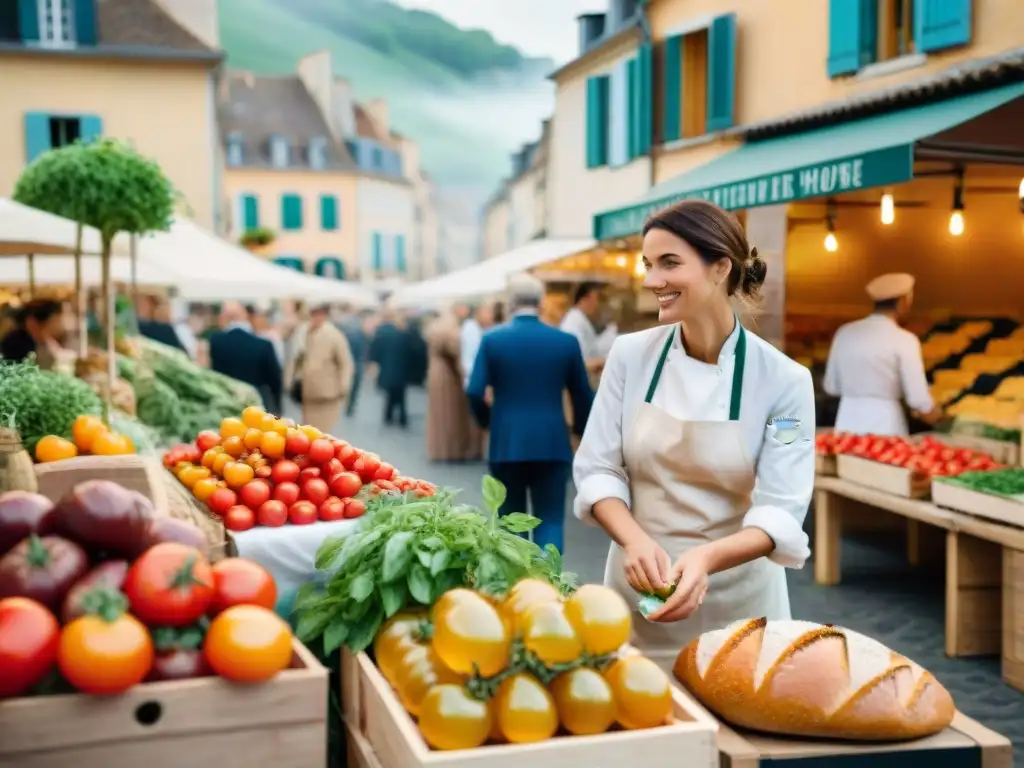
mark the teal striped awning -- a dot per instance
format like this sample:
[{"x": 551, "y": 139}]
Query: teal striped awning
[{"x": 871, "y": 152}]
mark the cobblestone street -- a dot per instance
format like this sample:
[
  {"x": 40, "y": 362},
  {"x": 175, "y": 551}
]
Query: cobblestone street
[{"x": 880, "y": 595}]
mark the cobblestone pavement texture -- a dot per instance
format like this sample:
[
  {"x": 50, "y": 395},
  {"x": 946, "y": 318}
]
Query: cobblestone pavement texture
[{"x": 880, "y": 596}]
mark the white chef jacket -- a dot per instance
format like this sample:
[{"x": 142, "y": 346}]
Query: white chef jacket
[
  {"x": 774, "y": 387},
  {"x": 872, "y": 366},
  {"x": 579, "y": 325},
  {"x": 470, "y": 335}
]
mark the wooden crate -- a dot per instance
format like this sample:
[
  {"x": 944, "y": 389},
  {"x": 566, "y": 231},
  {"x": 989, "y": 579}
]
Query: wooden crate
[
  {"x": 883, "y": 477},
  {"x": 1013, "y": 618},
  {"x": 201, "y": 723},
  {"x": 388, "y": 733},
  {"x": 954, "y": 496},
  {"x": 137, "y": 473},
  {"x": 825, "y": 464},
  {"x": 965, "y": 744}
]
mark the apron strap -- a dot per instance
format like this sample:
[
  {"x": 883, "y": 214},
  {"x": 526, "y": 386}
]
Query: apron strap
[{"x": 736, "y": 397}]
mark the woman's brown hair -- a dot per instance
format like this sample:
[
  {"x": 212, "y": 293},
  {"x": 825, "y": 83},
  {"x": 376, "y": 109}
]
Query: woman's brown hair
[{"x": 714, "y": 234}]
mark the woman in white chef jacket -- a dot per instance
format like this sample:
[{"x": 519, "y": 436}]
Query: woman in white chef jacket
[{"x": 698, "y": 456}]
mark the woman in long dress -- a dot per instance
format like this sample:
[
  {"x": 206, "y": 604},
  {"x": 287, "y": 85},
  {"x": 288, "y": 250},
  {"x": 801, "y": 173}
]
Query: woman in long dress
[{"x": 450, "y": 433}]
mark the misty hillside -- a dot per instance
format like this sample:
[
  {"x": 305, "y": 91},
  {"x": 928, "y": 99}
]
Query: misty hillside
[{"x": 469, "y": 100}]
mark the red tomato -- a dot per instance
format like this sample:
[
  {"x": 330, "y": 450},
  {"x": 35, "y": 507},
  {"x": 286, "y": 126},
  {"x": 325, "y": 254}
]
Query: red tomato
[
  {"x": 366, "y": 466},
  {"x": 29, "y": 637},
  {"x": 296, "y": 443},
  {"x": 302, "y": 462},
  {"x": 273, "y": 513},
  {"x": 302, "y": 513},
  {"x": 331, "y": 468},
  {"x": 284, "y": 471},
  {"x": 332, "y": 509},
  {"x": 169, "y": 585},
  {"x": 254, "y": 493},
  {"x": 221, "y": 501},
  {"x": 385, "y": 485},
  {"x": 286, "y": 493},
  {"x": 320, "y": 451},
  {"x": 239, "y": 518},
  {"x": 345, "y": 484},
  {"x": 307, "y": 473},
  {"x": 207, "y": 439},
  {"x": 385, "y": 472},
  {"x": 192, "y": 453},
  {"x": 354, "y": 508},
  {"x": 237, "y": 581},
  {"x": 347, "y": 455},
  {"x": 315, "y": 490}
]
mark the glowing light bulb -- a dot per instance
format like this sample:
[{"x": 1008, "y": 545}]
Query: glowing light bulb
[
  {"x": 888, "y": 209},
  {"x": 638, "y": 268},
  {"x": 831, "y": 244},
  {"x": 621, "y": 261},
  {"x": 956, "y": 223}
]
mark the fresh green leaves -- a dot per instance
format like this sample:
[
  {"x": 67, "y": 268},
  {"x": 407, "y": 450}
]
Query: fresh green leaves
[
  {"x": 409, "y": 551},
  {"x": 1002, "y": 482}
]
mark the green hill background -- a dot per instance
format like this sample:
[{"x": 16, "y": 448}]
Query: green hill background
[{"x": 466, "y": 98}]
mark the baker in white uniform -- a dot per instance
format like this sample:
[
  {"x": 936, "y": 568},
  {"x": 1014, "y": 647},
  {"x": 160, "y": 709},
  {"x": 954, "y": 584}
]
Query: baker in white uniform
[
  {"x": 874, "y": 365},
  {"x": 698, "y": 457}
]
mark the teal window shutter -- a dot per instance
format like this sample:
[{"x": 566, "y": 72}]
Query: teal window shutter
[
  {"x": 28, "y": 20},
  {"x": 721, "y": 112},
  {"x": 85, "y": 22},
  {"x": 291, "y": 212},
  {"x": 400, "y": 253},
  {"x": 618, "y": 115},
  {"x": 328, "y": 212},
  {"x": 330, "y": 267},
  {"x": 377, "y": 251},
  {"x": 852, "y": 35},
  {"x": 250, "y": 211},
  {"x": 632, "y": 109},
  {"x": 643, "y": 111},
  {"x": 597, "y": 121},
  {"x": 672, "y": 97},
  {"x": 37, "y": 135},
  {"x": 90, "y": 128},
  {"x": 291, "y": 262},
  {"x": 941, "y": 24}
]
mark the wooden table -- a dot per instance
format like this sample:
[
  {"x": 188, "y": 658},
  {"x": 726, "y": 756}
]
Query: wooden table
[{"x": 984, "y": 563}]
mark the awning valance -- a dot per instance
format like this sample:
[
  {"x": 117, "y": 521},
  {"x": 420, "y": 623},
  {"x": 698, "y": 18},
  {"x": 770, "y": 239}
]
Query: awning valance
[{"x": 871, "y": 152}]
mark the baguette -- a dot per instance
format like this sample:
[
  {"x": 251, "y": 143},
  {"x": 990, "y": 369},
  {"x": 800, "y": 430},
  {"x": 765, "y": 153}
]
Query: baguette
[{"x": 798, "y": 678}]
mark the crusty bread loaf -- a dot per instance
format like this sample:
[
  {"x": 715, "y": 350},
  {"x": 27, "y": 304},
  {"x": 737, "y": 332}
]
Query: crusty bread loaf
[{"x": 803, "y": 679}]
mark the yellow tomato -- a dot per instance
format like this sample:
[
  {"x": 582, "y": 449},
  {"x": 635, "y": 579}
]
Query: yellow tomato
[
  {"x": 253, "y": 416},
  {"x": 233, "y": 447},
  {"x": 112, "y": 444},
  {"x": 418, "y": 672},
  {"x": 398, "y": 635},
  {"x": 190, "y": 475},
  {"x": 85, "y": 430},
  {"x": 643, "y": 694},
  {"x": 210, "y": 455},
  {"x": 222, "y": 460},
  {"x": 451, "y": 598},
  {"x": 53, "y": 448},
  {"x": 452, "y": 719},
  {"x": 272, "y": 444},
  {"x": 311, "y": 432},
  {"x": 251, "y": 439},
  {"x": 470, "y": 637},
  {"x": 204, "y": 488},
  {"x": 548, "y": 634},
  {"x": 232, "y": 427},
  {"x": 525, "y": 710},
  {"x": 600, "y": 617},
  {"x": 522, "y": 597},
  {"x": 584, "y": 701},
  {"x": 237, "y": 474}
]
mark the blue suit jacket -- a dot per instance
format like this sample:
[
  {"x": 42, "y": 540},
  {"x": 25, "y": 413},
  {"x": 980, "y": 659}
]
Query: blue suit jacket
[
  {"x": 529, "y": 365},
  {"x": 246, "y": 357}
]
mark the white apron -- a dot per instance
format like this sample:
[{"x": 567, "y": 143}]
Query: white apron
[
  {"x": 871, "y": 416},
  {"x": 690, "y": 483}
]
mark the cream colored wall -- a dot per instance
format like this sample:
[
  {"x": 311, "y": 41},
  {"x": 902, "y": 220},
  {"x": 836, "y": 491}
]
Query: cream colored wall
[
  {"x": 522, "y": 195},
  {"x": 165, "y": 109},
  {"x": 496, "y": 219},
  {"x": 576, "y": 193},
  {"x": 389, "y": 208},
  {"x": 311, "y": 242}
]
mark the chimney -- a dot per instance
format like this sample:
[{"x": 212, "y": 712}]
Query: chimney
[
  {"x": 591, "y": 28},
  {"x": 343, "y": 119},
  {"x": 378, "y": 109},
  {"x": 316, "y": 73},
  {"x": 198, "y": 17}
]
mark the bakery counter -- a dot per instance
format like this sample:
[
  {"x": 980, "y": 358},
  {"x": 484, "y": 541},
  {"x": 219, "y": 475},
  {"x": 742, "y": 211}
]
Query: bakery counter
[{"x": 984, "y": 563}]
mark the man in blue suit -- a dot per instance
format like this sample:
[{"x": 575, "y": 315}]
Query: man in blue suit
[
  {"x": 527, "y": 366},
  {"x": 239, "y": 353}
]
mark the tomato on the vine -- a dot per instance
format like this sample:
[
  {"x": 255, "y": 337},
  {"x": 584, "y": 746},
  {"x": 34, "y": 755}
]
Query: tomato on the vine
[
  {"x": 525, "y": 710},
  {"x": 471, "y": 637},
  {"x": 643, "y": 694},
  {"x": 601, "y": 618},
  {"x": 584, "y": 701},
  {"x": 169, "y": 585},
  {"x": 548, "y": 634},
  {"x": 237, "y": 581},
  {"x": 522, "y": 597},
  {"x": 28, "y": 644},
  {"x": 248, "y": 644},
  {"x": 452, "y": 719},
  {"x": 419, "y": 671},
  {"x": 399, "y": 634}
]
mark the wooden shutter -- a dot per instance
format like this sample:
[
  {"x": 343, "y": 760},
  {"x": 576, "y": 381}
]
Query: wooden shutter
[
  {"x": 942, "y": 24},
  {"x": 377, "y": 252},
  {"x": 400, "y": 265},
  {"x": 672, "y": 97},
  {"x": 597, "y": 121},
  {"x": 291, "y": 212},
  {"x": 852, "y": 35},
  {"x": 722, "y": 73},
  {"x": 85, "y": 22},
  {"x": 632, "y": 109},
  {"x": 250, "y": 212},
  {"x": 90, "y": 128},
  {"x": 37, "y": 135},
  {"x": 328, "y": 212},
  {"x": 643, "y": 112},
  {"x": 28, "y": 20}
]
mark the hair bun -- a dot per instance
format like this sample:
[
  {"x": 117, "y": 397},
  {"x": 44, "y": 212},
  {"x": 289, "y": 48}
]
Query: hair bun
[{"x": 754, "y": 273}]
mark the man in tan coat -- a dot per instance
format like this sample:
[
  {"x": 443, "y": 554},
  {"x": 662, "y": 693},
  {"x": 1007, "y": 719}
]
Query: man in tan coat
[{"x": 325, "y": 368}]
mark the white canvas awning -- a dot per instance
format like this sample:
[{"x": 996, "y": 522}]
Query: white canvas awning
[
  {"x": 60, "y": 270},
  {"x": 24, "y": 229},
  {"x": 489, "y": 277}
]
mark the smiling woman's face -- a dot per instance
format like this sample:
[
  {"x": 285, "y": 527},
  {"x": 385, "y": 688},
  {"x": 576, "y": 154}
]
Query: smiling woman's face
[{"x": 684, "y": 285}]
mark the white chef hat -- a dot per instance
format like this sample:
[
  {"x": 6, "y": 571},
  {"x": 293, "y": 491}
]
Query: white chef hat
[{"x": 890, "y": 286}]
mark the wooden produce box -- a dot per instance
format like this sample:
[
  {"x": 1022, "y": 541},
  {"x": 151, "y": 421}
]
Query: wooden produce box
[
  {"x": 825, "y": 464},
  {"x": 1013, "y": 618},
  {"x": 883, "y": 477},
  {"x": 202, "y": 723},
  {"x": 952, "y": 495},
  {"x": 137, "y": 473},
  {"x": 390, "y": 737},
  {"x": 965, "y": 744}
]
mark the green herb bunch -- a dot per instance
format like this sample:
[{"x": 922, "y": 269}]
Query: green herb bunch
[
  {"x": 409, "y": 551},
  {"x": 39, "y": 403}
]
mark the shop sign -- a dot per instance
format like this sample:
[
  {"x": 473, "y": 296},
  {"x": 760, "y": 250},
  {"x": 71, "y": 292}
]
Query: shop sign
[{"x": 848, "y": 174}]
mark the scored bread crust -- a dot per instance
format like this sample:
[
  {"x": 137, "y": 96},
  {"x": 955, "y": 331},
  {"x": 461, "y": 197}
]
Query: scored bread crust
[{"x": 803, "y": 679}]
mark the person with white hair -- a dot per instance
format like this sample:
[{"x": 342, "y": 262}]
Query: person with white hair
[
  {"x": 874, "y": 365},
  {"x": 527, "y": 365}
]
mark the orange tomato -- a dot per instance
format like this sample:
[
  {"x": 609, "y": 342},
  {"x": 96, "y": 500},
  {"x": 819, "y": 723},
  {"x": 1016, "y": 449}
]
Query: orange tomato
[
  {"x": 232, "y": 427},
  {"x": 252, "y": 438},
  {"x": 191, "y": 474},
  {"x": 267, "y": 421},
  {"x": 272, "y": 444},
  {"x": 281, "y": 427},
  {"x": 311, "y": 432},
  {"x": 53, "y": 448},
  {"x": 210, "y": 455},
  {"x": 219, "y": 463},
  {"x": 105, "y": 657},
  {"x": 112, "y": 444},
  {"x": 204, "y": 488},
  {"x": 237, "y": 474},
  {"x": 85, "y": 429},
  {"x": 253, "y": 416},
  {"x": 248, "y": 644},
  {"x": 233, "y": 447},
  {"x": 642, "y": 691}
]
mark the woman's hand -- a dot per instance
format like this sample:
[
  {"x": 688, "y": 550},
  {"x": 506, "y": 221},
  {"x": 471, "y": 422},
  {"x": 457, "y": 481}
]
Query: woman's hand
[
  {"x": 646, "y": 565},
  {"x": 690, "y": 575}
]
